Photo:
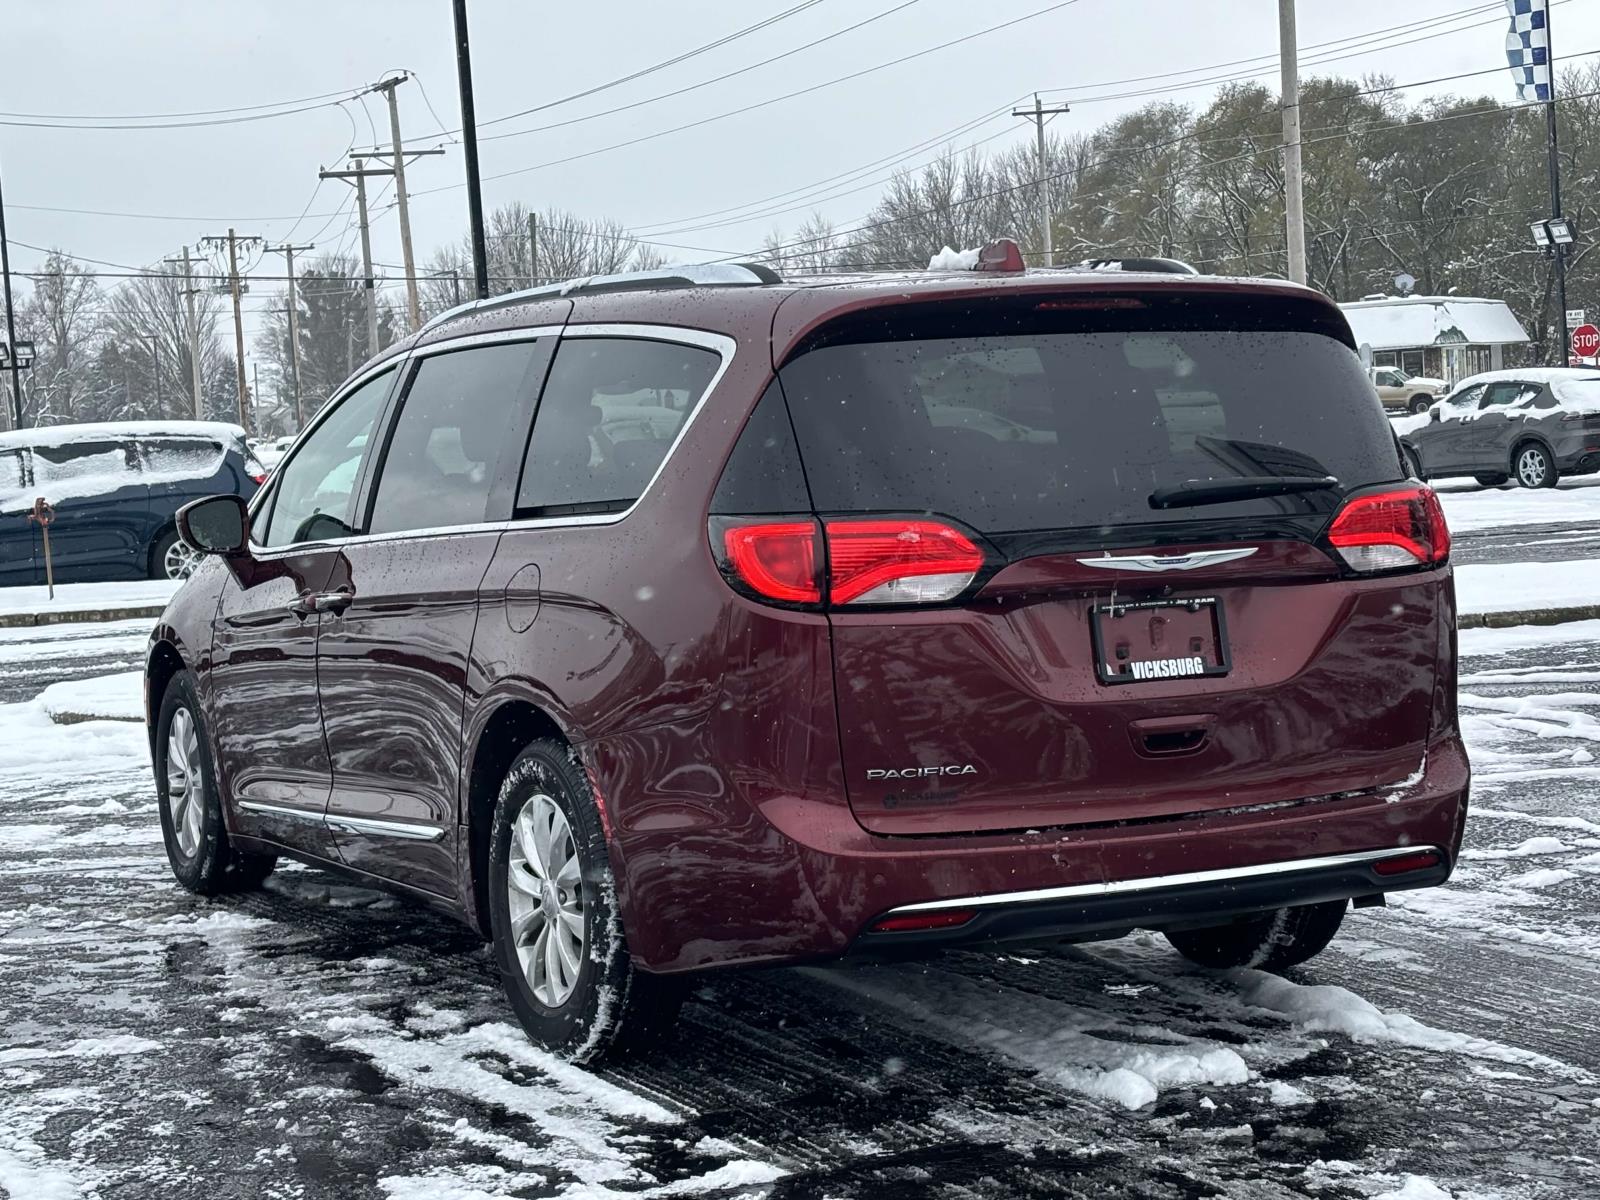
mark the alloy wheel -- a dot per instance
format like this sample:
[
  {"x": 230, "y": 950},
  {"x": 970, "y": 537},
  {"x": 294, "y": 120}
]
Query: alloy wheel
[
  {"x": 179, "y": 561},
  {"x": 1531, "y": 467},
  {"x": 544, "y": 886},
  {"x": 186, "y": 788}
]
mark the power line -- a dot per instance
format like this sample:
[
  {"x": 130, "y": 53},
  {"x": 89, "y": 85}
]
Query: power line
[
  {"x": 196, "y": 124},
  {"x": 694, "y": 87},
  {"x": 655, "y": 67},
  {"x": 894, "y": 62},
  {"x": 204, "y": 112}
]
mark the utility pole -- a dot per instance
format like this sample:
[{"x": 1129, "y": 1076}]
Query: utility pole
[
  {"x": 189, "y": 291},
  {"x": 288, "y": 251},
  {"x": 469, "y": 144},
  {"x": 533, "y": 249},
  {"x": 360, "y": 174},
  {"x": 1293, "y": 197},
  {"x": 11, "y": 322},
  {"x": 1563, "y": 347},
  {"x": 1037, "y": 114},
  {"x": 233, "y": 240},
  {"x": 398, "y": 155}
]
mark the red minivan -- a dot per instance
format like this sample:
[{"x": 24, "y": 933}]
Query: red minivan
[{"x": 700, "y": 619}]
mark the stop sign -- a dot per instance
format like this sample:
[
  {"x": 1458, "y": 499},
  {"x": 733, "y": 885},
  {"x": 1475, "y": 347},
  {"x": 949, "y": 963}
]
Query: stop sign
[{"x": 1586, "y": 341}]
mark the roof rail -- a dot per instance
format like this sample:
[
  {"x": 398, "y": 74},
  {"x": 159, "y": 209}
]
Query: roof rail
[
  {"x": 1159, "y": 266},
  {"x": 690, "y": 275}
]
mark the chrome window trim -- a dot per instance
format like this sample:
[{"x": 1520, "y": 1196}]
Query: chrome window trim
[
  {"x": 399, "y": 829},
  {"x": 465, "y": 341},
  {"x": 721, "y": 344},
  {"x": 1122, "y": 887}
]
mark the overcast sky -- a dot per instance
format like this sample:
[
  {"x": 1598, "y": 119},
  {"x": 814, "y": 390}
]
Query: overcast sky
[{"x": 121, "y": 57}]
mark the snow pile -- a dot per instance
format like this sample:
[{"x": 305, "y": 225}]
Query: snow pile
[
  {"x": 1469, "y": 508},
  {"x": 954, "y": 260},
  {"x": 145, "y": 593},
  {"x": 1580, "y": 394},
  {"x": 117, "y": 697},
  {"x": 1415, "y": 1187},
  {"x": 1324, "y": 1008},
  {"x": 1512, "y": 587},
  {"x": 1060, "y": 1041}
]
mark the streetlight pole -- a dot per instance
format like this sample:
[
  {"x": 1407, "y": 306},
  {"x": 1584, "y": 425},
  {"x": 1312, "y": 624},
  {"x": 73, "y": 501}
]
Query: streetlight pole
[
  {"x": 11, "y": 321},
  {"x": 1555, "y": 196},
  {"x": 469, "y": 146}
]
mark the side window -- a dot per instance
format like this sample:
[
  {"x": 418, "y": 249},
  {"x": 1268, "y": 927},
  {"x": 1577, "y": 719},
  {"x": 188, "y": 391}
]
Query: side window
[
  {"x": 610, "y": 410},
  {"x": 188, "y": 458},
  {"x": 75, "y": 470},
  {"x": 316, "y": 487},
  {"x": 1499, "y": 395},
  {"x": 443, "y": 456},
  {"x": 1463, "y": 401}
]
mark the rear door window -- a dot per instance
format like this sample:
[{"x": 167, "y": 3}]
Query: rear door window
[
  {"x": 444, "y": 455},
  {"x": 81, "y": 470},
  {"x": 611, "y": 409},
  {"x": 1074, "y": 430}
]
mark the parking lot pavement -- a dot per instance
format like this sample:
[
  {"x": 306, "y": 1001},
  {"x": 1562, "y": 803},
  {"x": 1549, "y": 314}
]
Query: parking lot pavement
[
  {"x": 1510, "y": 524},
  {"x": 323, "y": 1040}
]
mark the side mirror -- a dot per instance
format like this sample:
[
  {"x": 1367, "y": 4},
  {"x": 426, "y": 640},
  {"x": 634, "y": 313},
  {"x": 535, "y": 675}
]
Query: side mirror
[
  {"x": 215, "y": 525},
  {"x": 1433, "y": 414}
]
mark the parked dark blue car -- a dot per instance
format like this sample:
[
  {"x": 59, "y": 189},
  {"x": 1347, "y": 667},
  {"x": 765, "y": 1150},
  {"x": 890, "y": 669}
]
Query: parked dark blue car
[{"x": 115, "y": 488}]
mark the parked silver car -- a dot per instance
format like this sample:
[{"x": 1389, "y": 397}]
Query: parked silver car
[{"x": 1532, "y": 425}]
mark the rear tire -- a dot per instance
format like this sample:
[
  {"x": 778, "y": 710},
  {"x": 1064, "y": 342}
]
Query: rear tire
[
  {"x": 1492, "y": 480},
  {"x": 1413, "y": 463},
  {"x": 1534, "y": 466},
  {"x": 202, "y": 857},
  {"x": 558, "y": 937},
  {"x": 1270, "y": 941}
]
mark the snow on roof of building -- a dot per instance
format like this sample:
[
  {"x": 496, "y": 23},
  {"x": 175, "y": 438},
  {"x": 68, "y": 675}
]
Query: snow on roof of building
[
  {"x": 98, "y": 431},
  {"x": 1406, "y": 322}
]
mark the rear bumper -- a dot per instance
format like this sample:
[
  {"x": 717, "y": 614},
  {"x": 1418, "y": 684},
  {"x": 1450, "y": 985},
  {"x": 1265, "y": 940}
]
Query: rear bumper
[
  {"x": 1110, "y": 909},
  {"x": 750, "y": 872}
]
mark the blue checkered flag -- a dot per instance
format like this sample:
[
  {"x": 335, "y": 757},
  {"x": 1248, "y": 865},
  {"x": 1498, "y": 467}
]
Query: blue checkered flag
[{"x": 1528, "y": 48}]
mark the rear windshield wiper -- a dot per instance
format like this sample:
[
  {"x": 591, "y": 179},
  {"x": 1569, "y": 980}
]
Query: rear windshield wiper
[{"x": 1246, "y": 487}]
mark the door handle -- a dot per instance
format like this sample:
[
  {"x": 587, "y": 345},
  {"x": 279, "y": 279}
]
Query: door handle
[{"x": 320, "y": 602}]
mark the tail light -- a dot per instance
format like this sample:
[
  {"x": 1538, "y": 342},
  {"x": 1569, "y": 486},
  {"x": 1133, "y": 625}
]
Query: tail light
[
  {"x": 1387, "y": 531},
  {"x": 881, "y": 560},
  {"x": 898, "y": 561},
  {"x": 261, "y": 478},
  {"x": 776, "y": 560}
]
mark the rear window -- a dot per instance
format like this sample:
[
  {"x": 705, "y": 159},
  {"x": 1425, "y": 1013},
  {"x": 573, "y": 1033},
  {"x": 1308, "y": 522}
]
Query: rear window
[{"x": 1074, "y": 430}]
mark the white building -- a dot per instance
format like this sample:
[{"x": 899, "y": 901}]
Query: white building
[{"x": 1445, "y": 337}]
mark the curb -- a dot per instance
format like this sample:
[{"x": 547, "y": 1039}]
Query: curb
[
  {"x": 1529, "y": 616},
  {"x": 81, "y": 615}
]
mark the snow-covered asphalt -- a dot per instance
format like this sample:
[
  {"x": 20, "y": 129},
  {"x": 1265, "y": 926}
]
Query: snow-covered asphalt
[{"x": 323, "y": 1040}]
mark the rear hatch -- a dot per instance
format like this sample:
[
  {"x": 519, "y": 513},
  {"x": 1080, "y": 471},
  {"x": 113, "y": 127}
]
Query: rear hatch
[{"x": 1076, "y": 556}]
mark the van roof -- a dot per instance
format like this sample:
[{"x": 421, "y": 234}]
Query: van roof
[
  {"x": 785, "y": 310},
  {"x": 101, "y": 431}
]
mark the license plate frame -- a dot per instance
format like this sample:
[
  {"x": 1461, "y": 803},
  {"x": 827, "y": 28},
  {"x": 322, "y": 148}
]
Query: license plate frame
[{"x": 1103, "y": 620}]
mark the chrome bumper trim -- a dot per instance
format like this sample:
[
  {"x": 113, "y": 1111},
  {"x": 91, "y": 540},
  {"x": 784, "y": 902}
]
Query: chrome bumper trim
[{"x": 1158, "y": 883}]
